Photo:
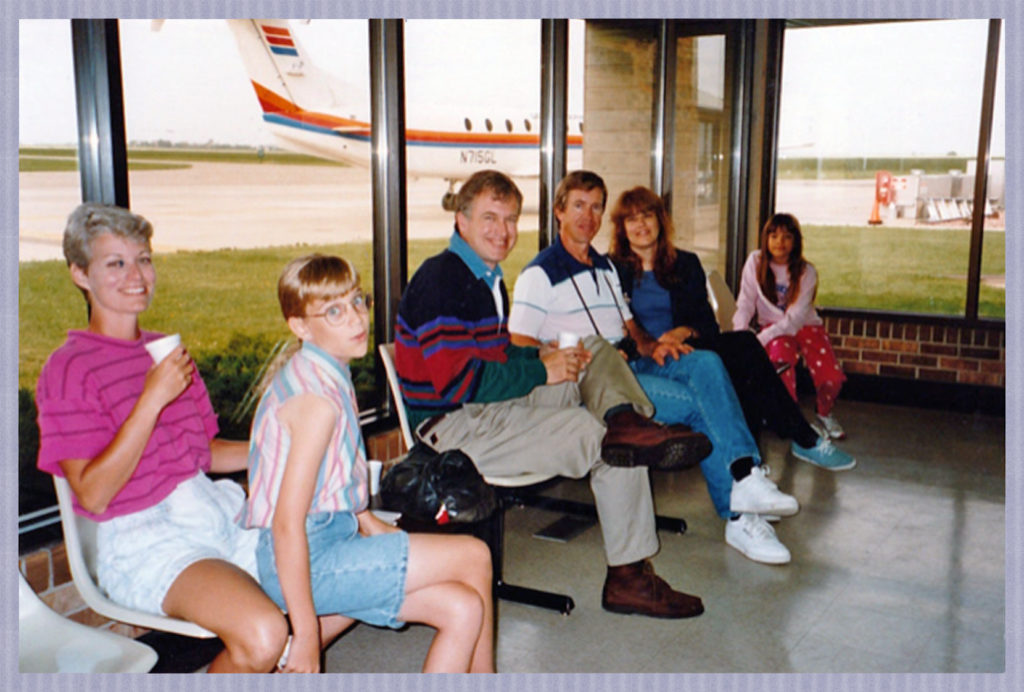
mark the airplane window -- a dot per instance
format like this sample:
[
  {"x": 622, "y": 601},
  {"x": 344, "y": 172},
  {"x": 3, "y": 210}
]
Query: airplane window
[
  {"x": 581, "y": 127},
  {"x": 469, "y": 125},
  {"x": 529, "y": 127},
  {"x": 508, "y": 125},
  {"x": 490, "y": 126}
]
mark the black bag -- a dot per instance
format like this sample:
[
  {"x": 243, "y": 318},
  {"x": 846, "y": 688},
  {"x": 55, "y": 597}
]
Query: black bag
[{"x": 432, "y": 487}]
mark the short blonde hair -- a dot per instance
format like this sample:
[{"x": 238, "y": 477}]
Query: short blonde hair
[
  {"x": 314, "y": 277},
  {"x": 92, "y": 219}
]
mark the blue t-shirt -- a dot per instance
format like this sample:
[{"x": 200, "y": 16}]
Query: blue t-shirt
[{"x": 652, "y": 305}]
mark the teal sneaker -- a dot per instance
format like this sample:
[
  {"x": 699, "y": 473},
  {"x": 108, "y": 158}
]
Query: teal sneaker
[{"x": 824, "y": 454}]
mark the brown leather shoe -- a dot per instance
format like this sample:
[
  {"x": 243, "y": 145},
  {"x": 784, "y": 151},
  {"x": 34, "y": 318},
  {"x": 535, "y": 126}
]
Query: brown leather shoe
[
  {"x": 635, "y": 589},
  {"x": 632, "y": 440}
]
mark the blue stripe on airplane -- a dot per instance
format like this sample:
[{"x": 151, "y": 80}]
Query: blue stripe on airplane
[
  {"x": 278, "y": 50},
  {"x": 291, "y": 122}
]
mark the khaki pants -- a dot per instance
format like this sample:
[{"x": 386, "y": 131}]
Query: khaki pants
[{"x": 547, "y": 431}]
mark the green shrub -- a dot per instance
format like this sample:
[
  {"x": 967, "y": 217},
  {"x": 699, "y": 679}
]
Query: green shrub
[
  {"x": 35, "y": 488},
  {"x": 231, "y": 376}
]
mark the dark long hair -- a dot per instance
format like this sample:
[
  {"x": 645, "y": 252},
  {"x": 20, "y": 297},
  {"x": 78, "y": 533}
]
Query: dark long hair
[
  {"x": 797, "y": 263},
  {"x": 638, "y": 200}
]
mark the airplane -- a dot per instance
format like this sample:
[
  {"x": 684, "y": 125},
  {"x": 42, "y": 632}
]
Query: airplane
[{"x": 312, "y": 112}]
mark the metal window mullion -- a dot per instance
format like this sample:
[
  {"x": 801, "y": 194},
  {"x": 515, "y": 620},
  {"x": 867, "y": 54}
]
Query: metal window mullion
[
  {"x": 387, "y": 158},
  {"x": 741, "y": 56},
  {"x": 988, "y": 98},
  {"x": 554, "y": 39},
  {"x": 663, "y": 120},
  {"x": 102, "y": 150}
]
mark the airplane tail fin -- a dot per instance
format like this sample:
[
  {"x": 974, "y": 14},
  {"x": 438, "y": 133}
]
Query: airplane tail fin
[{"x": 284, "y": 78}]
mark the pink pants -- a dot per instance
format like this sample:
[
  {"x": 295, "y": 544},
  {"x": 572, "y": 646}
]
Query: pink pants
[{"x": 812, "y": 343}]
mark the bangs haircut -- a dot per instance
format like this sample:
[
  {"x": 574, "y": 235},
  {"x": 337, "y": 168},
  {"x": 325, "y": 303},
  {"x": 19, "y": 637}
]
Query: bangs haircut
[
  {"x": 796, "y": 265},
  {"x": 637, "y": 201},
  {"x": 640, "y": 200},
  {"x": 314, "y": 277}
]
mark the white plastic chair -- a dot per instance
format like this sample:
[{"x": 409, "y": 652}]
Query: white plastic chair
[
  {"x": 496, "y": 528},
  {"x": 49, "y": 643},
  {"x": 723, "y": 303},
  {"x": 80, "y": 542}
]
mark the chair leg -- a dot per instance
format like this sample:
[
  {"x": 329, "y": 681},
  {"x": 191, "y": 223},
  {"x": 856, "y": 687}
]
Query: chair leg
[
  {"x": 494, "y": 536},
  {"x": 587, "y": 509}
]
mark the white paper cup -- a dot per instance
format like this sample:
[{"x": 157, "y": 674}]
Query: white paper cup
[
  {"x": 162, "y": 347},
  {"x": 568, "y": 340},
  {"x": 375, "y": 468}
]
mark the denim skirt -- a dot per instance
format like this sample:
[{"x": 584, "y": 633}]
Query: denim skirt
[{"x": 362, "y": 577}]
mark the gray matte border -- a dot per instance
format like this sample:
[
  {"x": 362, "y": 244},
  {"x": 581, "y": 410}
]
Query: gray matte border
[{"x": 12, "y": 10}]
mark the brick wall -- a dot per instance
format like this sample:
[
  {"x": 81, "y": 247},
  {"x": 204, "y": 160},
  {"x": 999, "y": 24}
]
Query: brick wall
[
  {"x": 47, "y": 572},
  {"x": 940, "y": 353}
]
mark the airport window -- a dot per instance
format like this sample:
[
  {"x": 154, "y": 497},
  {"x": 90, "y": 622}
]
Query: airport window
[
  {"x": 876, "y": 157},
  {"x": 231, "y": 202},
  {"x": 48, "y": 189},
  {"x": 499, "y": 58}
]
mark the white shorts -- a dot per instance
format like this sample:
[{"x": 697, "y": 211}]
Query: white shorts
[{"x": 139, "y": 555}]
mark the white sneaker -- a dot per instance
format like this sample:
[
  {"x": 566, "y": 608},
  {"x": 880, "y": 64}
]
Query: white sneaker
[
  {"x": 832, "y": 427},
  {"x": 757, "y": 494},
  {"x": 755, "y": 538}
]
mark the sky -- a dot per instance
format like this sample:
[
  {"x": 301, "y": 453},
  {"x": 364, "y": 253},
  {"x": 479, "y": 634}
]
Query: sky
[
  {"x": 908, "y": 88},
  {"x": 216, "y": 101}
]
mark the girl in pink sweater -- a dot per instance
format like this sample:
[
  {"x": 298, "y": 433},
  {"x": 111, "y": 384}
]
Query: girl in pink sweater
[{"x": 777, "y": 288}]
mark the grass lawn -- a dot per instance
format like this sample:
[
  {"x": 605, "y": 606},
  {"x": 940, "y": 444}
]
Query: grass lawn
[
  {"x": 140, "y": 158},
  {"x": 206, "y": 296},
  {"x": 902, "y": 269},
  {"x": 209, "y": 296}
]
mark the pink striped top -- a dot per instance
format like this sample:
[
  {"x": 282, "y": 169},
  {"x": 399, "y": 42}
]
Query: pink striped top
[
  {"x": 86, "y": 391},
  {"x": 341, "y": 484}
]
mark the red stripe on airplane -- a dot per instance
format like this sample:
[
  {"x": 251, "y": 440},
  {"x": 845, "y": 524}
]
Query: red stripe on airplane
[
  {"x": 278, "y": 41},
  {"x": 271, "y": 102},
  {"x": 277, "y": 30}
]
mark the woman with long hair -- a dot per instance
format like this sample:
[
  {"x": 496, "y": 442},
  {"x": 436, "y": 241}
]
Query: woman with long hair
[{"x": 668, "y": 297}]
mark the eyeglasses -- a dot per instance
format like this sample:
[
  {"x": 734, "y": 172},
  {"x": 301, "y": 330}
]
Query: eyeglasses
[{"x": 338, "y": 312}]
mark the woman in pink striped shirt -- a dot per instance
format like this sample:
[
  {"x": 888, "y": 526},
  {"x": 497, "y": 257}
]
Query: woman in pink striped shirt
[
  {"x": 135, "y": 439},
  {"x": 778, "y": 287}
]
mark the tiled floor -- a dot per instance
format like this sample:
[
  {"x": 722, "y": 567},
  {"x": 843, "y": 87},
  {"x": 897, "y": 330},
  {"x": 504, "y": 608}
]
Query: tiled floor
[{"x": 898, "y": 566}]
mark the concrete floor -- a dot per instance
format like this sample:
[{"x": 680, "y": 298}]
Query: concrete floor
[{"x": 898, "y": 566}]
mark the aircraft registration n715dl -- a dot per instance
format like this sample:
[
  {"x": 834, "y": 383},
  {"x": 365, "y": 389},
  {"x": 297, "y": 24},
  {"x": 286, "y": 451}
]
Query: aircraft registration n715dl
[{"x": 312, "y": 112}]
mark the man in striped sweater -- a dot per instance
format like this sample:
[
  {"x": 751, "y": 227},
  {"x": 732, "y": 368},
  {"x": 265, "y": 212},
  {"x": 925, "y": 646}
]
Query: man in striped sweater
[{"x": 516, "y": 410}]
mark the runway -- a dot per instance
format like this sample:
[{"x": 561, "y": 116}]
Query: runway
[{"x": 223, "y": 205}]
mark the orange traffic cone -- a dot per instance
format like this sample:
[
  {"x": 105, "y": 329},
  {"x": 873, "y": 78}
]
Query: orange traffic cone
[{"x": 875, "y": 218}]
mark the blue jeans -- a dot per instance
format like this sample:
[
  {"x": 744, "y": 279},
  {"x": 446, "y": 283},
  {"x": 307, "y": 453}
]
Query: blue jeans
[
  {"x": 695, "y": 390},
  {"x": 362, "y": 577}
]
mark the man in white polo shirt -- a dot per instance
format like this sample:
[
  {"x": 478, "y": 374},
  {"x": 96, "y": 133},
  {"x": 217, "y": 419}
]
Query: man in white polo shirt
[{"x": 570, "y": 286}]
